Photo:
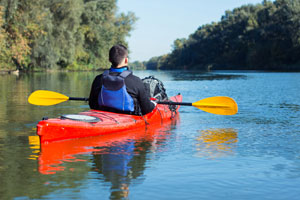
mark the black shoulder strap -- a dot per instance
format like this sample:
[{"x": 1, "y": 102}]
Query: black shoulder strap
[
  {"x": 125, "y": 73},
  {"x": 106, "y": 72}
]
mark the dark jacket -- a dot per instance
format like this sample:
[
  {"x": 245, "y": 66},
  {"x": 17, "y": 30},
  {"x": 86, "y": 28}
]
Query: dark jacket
[{"x": 135, "y": 88}]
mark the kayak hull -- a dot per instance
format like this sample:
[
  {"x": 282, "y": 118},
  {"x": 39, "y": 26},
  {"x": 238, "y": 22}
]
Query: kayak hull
[{"x": 61, "y": 128}]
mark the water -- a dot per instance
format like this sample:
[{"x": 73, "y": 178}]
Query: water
[{"x": 252, "y": 155}]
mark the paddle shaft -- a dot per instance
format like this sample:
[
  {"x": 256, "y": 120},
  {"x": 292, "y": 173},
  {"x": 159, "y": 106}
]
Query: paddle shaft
[
  {"x": 160, "y": 102},
  {"x": 175, "y": 103},
  {"x": 78, "y": 99}
]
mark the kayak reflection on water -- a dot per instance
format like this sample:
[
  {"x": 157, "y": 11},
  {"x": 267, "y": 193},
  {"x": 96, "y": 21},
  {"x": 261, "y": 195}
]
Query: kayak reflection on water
[
  {"x": 119, "y": 157},
  {"x": 215, "y": 143}
]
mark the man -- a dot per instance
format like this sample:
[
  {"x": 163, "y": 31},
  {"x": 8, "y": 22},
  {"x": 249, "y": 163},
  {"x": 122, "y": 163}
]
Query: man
[{"x": 117, "y": 89}]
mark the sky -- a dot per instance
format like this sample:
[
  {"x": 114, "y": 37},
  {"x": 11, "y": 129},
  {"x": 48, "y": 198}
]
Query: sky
[{"x": 161, "y": 22}]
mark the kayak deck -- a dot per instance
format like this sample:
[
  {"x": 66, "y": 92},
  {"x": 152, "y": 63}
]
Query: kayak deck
[{"x": 62, "y": 128}]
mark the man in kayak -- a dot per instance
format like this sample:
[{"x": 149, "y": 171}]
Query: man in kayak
[{"x": 117, "y": 89}]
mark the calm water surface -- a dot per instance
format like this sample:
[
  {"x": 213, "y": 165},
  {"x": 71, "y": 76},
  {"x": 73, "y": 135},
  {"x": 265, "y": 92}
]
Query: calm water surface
[{"x": 252, "y": 155}]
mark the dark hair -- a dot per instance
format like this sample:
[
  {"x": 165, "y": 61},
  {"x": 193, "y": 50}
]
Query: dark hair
[{"x": 117, "y": 53}]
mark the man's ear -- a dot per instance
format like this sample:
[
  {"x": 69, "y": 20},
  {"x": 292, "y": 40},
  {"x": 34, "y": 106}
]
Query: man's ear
[{"x": 126, "y": 60}]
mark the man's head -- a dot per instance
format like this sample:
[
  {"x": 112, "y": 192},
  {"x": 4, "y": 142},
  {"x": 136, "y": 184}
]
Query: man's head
[{"x": 118, "y": 55}]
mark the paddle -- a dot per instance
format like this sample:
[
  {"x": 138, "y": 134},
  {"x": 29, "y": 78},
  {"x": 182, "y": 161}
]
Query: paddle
[
  {"x": 215, "y": 105},
  {"x": 49, "y": 98}
]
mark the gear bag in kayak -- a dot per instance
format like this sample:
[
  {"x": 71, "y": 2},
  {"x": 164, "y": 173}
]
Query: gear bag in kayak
[
  {"x": 113, "y": 92},
  {"x": 155, "y": 88}
]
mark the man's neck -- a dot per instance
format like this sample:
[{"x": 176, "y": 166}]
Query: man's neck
[{"x": 119, "y": 66}]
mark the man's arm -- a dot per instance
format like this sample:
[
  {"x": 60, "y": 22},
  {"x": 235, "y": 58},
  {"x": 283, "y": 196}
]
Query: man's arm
[
  {"x": 144, "y": 98},
  {"x": 95, "y": 89}
]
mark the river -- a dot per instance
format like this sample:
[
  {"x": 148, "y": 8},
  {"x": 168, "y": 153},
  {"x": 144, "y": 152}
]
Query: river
[{"x": 254, "y": 154}]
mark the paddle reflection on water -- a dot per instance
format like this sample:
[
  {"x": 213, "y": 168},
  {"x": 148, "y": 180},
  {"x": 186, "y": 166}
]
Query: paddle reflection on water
[
  {"x": 215, "y": 143},
  {"x": 119, "y": 157},
  {"x": 34, "y": 142}
]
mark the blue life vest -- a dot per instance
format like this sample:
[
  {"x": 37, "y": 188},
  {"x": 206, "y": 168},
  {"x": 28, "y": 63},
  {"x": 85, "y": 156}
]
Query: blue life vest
[{"x": 113, "y": 92}]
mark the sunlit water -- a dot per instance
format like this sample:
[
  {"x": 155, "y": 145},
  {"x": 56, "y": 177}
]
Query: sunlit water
[{"x": 252, "y": 155}]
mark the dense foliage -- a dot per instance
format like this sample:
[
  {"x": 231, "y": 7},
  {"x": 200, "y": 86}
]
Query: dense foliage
[
  {"x": 60, "y": 34},
  {"x": 265, "y": 36}
]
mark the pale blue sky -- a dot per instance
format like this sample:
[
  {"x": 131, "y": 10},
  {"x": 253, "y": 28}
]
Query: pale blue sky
[{"x": 163, "y": 21}]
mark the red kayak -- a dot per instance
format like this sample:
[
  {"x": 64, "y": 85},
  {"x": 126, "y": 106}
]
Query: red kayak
[{"x": 95, "y": 123}]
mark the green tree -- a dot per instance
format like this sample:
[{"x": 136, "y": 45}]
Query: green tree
[
  {"x": 4, "y": 51},
  {"x": 61, "y": 34},
  {"x": 264, "y": 36}
]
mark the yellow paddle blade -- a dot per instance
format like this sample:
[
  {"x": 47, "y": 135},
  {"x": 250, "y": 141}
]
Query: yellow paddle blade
[
  {"x": 217, "y": 105},
  {"x": 46, "y": 98}
]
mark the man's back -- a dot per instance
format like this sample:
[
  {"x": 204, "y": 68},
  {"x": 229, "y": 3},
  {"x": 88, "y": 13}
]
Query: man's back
[{"x": 134, "y": 87}]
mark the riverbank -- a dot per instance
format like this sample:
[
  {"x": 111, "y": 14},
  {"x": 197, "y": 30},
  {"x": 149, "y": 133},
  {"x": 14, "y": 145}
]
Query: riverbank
[
  {"x": 16, "y": 72},
  {"x": 9, "y": 71}
]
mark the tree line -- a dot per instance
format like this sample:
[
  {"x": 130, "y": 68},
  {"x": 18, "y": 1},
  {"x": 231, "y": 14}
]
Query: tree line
[
  {"x": 60, "y": 34},
  {"x": 265, "y": 36}
]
